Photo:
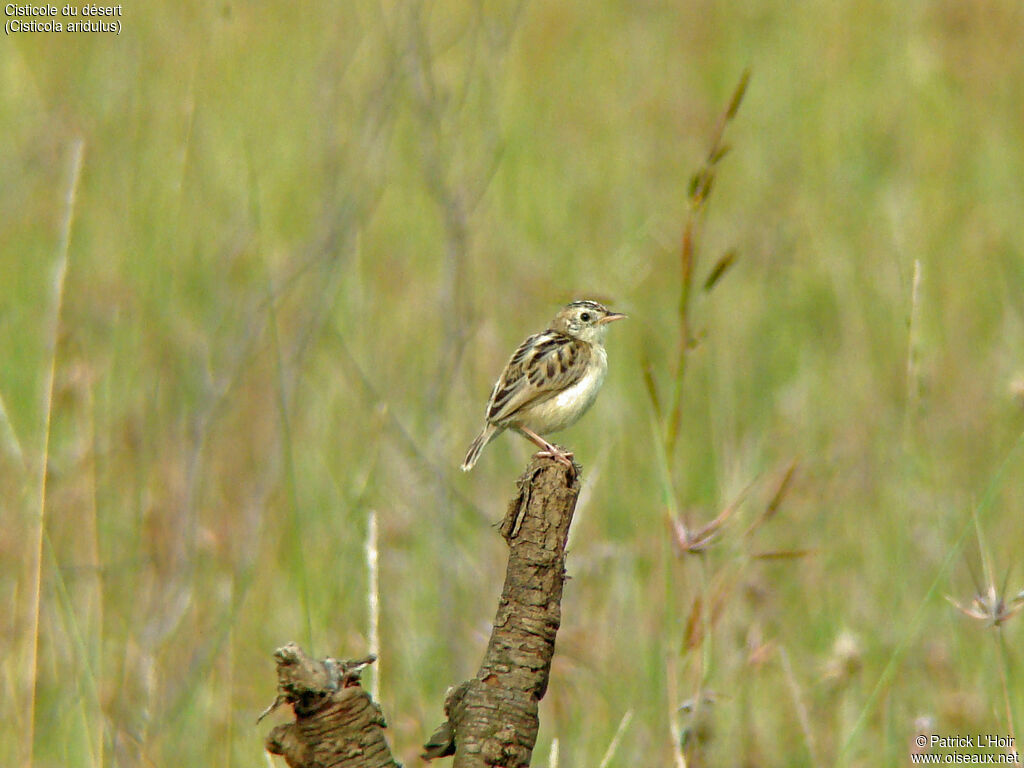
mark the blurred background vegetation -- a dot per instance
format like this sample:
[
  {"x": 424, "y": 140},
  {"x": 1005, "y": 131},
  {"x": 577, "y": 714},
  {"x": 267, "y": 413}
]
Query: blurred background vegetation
[{"x": 305, "y": 240}]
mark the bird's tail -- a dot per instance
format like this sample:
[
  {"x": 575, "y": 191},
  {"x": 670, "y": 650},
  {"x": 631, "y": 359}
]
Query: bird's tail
[{"x": 486, "y": 435}]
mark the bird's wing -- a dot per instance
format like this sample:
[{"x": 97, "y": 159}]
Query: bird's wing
[{"x": 544, "y": 365}]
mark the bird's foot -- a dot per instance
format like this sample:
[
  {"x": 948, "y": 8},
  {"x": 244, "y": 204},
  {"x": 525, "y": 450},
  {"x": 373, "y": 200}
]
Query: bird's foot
[
  {"x": 549, "y": 450},
  {"x": 556, "y": 453}
]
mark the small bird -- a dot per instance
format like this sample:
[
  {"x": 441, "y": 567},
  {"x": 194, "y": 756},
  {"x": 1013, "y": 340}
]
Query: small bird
[{"x": 550, "y": 381}]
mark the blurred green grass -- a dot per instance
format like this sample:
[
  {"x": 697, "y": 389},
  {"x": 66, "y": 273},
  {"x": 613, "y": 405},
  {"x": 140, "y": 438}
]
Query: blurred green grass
[{"x": 305, "y": 241}]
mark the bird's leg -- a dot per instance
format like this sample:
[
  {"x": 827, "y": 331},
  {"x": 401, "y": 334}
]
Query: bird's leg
[{"x": 548, "y": 450}]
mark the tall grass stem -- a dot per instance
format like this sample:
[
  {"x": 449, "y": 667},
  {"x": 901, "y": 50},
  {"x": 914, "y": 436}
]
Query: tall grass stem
[
  {"x": 912, "y": 384},
  {"x": 613, "y": 746},
  {"x": 77, "y": 155},
  {"x": 373, "y": 599}
]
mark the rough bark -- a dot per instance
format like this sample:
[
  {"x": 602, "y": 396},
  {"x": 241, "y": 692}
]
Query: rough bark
[
  {"x": 492, "y": 719},
  {"x": 337, "y": 724}
]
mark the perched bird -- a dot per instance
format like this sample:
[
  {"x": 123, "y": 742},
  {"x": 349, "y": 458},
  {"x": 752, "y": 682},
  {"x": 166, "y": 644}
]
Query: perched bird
[{"x": 550, "y": 381}]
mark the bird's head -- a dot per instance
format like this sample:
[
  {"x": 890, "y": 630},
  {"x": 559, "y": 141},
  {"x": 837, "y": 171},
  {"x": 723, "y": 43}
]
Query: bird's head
[{"x": 585, "y": 320}]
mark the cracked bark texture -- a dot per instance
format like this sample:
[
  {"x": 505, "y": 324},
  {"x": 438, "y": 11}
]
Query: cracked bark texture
[
  {"x": 492, "y": 719},
  {"x": 337, "y": 724}
]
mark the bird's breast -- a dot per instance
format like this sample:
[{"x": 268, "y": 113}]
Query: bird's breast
[{"x": 566, "y": 407}]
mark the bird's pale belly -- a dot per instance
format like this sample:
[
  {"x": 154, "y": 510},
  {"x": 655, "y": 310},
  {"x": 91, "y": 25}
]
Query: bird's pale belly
[{"x": 565, "y": 408}]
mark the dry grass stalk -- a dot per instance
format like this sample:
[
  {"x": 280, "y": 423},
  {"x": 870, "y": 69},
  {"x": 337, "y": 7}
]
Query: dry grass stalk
[
  {"x": 701, "y": 185},
  {"x": 613, "y": 746},
  {"x": 373, "y": 597},
  {"x": 77, "y": 155}
]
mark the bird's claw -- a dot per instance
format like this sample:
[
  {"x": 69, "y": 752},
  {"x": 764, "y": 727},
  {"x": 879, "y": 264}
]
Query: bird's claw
[{"x": 556, "y": 453}]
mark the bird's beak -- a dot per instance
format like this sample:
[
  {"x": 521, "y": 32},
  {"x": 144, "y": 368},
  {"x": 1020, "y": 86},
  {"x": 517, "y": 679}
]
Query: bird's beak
[{"x": 611, "y": 317}]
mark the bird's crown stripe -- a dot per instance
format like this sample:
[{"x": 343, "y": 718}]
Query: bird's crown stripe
[{"x": 589, "y": 304}]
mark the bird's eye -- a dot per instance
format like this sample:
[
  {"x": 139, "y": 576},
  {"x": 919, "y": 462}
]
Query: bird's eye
[{"x": 585, "y": 317}]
